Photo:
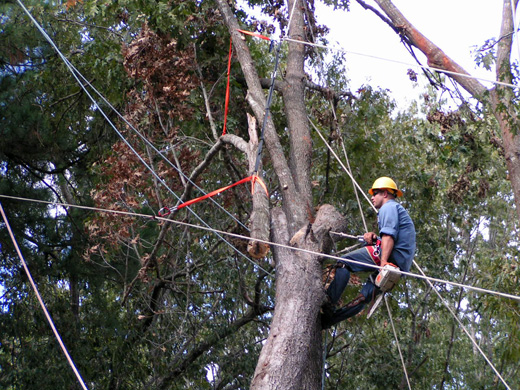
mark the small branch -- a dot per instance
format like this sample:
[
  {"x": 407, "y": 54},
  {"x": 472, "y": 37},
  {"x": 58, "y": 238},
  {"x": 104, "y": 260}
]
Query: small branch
[
  {"x": 206, "y": 98},
  {"x": 200, "y": 168},
  {"x": 329, "y": 93},
  {"x": 236, "y": 141}
]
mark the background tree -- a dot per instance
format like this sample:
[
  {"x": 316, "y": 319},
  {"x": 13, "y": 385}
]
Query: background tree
[{"x": 160, "y": 305}]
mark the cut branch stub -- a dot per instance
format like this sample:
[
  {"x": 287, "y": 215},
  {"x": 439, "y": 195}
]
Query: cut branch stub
[
  {"x": 260, "y": 214},
  {"x": 316, "y": 236}
]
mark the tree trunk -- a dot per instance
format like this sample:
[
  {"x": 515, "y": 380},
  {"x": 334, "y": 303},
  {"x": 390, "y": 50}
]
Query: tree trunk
[
  {"x": 501, "y": 101},
  {"x": 291, "y": 357}
]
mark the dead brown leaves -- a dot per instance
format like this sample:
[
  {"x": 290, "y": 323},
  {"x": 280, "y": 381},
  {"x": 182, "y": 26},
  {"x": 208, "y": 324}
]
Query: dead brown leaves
[{"x": 167, "y": 77}]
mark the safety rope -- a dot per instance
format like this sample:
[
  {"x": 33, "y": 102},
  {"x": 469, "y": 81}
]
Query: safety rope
[
  {"x": 355, "y": 188},
  {"x": 350, "y": 171},
  {"x": 40, "y": 300},
  {"x": 226, "y": 105},
  {"x": 515, "y": 27},
  {"x": 341, "y": 163},
  {"x": 397, "y": 342},
  {"x": 239, "y": 236},
  {"x": 290, "y": 19}
]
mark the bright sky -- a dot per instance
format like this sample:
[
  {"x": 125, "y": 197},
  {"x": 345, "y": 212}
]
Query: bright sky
[{"x": 456, "y": 26}]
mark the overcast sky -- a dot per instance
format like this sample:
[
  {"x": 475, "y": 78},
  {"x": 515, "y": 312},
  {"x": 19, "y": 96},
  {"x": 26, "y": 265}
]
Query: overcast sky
[{"x": 456, "y": 26}]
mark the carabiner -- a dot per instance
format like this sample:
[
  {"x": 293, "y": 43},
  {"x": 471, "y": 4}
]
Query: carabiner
[{"x": 164, "y": 212}]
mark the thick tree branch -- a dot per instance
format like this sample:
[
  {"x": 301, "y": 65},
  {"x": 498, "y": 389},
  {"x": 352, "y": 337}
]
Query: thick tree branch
[
  {"x": 329, "y": 93},
  {"x": 435, "y": 56}
]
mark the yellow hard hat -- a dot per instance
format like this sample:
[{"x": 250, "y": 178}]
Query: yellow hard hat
[{"x": 385, "y": 183}]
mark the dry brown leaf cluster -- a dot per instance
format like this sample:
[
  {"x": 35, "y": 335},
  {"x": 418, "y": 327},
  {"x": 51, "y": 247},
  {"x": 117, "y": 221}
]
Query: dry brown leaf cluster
[{"x": 166, "y": 76}]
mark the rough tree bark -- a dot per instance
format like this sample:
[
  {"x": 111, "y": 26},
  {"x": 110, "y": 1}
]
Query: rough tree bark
[
  {"x": 291, "y": 357},
  {"x": 500, "y": 98}
]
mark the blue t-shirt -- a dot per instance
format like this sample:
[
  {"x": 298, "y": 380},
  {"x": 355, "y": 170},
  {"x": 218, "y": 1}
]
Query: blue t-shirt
[{"x": 394, "y": 220}]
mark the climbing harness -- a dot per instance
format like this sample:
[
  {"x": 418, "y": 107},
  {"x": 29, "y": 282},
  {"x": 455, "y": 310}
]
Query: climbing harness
[{"x": 373, "y": 250}]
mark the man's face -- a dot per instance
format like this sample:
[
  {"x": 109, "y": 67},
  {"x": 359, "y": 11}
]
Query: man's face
[{"x": 378, "y": 198}]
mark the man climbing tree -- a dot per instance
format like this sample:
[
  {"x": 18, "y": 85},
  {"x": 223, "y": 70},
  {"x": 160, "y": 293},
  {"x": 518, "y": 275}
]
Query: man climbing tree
[{"x": 395, "y": 247}]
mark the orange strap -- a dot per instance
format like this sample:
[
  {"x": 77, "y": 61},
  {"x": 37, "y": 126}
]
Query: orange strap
[
  {"x": 227, "y": 87},
  {"x": 253, "y": 34},
  {"x": 256, "y": 178},
  {"x": 253, "y": 178}
]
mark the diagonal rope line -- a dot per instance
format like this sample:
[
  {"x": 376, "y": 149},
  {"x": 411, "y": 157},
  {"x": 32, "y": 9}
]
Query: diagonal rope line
[
  {"x": 290, "y": 19},
  {"x": 40, "y": 300},
  {"x": 355, "y": 189},
  {"x": 350, "y": 170},
  {"x": 463, "y": 328},
  {"x": 341, "y": 163},
  {"x": 423, "y": 67},
  {"x": 71, "y": 68},
  {"x": 397, "y": 341},
  {"x": 239, "y": 236},
  {"x": 515, "y": 26}
]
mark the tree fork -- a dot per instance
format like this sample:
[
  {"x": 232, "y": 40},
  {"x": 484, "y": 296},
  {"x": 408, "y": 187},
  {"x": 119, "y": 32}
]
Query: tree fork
[{"x": 257, "y": 102}]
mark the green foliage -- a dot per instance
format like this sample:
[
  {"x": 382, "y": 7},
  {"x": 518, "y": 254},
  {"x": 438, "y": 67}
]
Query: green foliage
[{"x": 141, "y": 304}]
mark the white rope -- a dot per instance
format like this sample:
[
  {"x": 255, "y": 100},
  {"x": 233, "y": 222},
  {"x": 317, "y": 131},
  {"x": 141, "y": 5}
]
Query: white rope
[
  {"x": 405, "y": 63},
  {"x": 354, "y": 185},
  {"x": 235, "y": 235},
  {"x": 290, "y": 19},
  {"x": 342, "y": 165},
  {"x": 350, "y": 170},
  {"x": 40, "y": 300},
  {"x": 463, "y": 327},
  {"x": 397, "y": 341},
  {"x": 515, "y": 27}
]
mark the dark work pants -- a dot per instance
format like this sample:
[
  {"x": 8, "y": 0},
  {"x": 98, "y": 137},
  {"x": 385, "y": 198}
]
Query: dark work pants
[{"x": 342, "y": 278}]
